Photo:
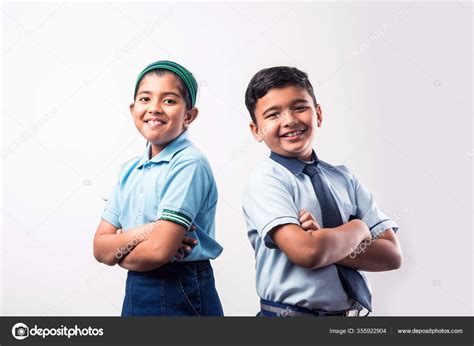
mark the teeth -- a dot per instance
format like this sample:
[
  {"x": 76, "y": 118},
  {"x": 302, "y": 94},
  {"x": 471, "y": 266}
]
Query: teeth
[
  {"x": 154, "y": 122},
  {"x": 291, "y": 134}
]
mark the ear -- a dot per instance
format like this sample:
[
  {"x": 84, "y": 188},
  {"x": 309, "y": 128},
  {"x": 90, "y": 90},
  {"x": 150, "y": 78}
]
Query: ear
[
  {"x": 132, "y": 105},
  {"x": 254, "y": 130},
  {"x": 190, "y": 116},
  {"x": 319, "y": 115}
]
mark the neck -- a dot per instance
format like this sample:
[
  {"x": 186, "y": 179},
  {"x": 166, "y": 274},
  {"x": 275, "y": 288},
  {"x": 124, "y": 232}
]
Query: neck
[
  {"x": 306, "y": 156},
  {"x": 155, "y": 150},
  {"x": 302, "y": 157},
  {"x": 158, "y": 148}
]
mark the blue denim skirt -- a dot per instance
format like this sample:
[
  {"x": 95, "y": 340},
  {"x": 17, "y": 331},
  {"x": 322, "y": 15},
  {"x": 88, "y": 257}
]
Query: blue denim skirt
[{"x": 175, "y": 289}]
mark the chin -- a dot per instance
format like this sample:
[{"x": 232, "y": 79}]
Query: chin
[
  {"x": 296, "y": 149},
  {"x": 298, "y": 153}
]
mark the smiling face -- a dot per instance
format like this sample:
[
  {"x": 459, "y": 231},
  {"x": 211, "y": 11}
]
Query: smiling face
[
  {"x": 285, "y": 120},
  {"x": 159, "y": 110}
]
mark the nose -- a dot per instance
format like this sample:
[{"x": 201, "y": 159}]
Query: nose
[
  {"x": 155, "y": 107},
  {"x": 288, "y": 118}
]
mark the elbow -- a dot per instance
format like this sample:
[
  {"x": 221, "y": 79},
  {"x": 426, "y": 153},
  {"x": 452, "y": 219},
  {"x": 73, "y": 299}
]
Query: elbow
[
  {"x": 396, "y": 261},
  {"x": 108, "y": 259},
  {"x": 98, "y": 254}
]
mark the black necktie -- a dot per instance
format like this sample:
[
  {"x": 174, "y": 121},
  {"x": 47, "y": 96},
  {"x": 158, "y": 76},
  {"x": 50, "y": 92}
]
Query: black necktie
[{"x": 352, "y": 281}]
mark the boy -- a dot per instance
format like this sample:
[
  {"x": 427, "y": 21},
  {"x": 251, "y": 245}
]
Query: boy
[
  {"x": 301, "y": 268},
  {"x": 158, "y": 197}
]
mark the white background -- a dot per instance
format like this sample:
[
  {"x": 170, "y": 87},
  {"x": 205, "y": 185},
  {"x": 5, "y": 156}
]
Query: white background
[{"x": 394, "y": 82}]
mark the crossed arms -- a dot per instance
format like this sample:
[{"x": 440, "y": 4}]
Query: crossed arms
[
  {"x": 311, "y": 246},
  {"x": 154, "y": 244},
  {"x": 142, "y": 248}
]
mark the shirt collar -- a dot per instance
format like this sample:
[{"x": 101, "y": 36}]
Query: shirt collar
[
  {"x": 292, "y": 164},
  {"x": 168, "y": 152}
]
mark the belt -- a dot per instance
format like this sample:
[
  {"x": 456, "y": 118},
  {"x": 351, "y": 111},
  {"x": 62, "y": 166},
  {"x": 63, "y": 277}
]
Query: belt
[{"x": 292, "y": 311}]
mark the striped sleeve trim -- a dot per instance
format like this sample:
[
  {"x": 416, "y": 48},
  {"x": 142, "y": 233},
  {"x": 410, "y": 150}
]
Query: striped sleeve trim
[{"x": 176, "y": 217}]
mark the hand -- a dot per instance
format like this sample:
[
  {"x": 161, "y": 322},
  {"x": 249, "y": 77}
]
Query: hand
[
  {"x": 308, "y": 222},
  {"x": 187, "y": 245}
]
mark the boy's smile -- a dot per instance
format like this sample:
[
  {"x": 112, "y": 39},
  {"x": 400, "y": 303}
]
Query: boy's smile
[
  {"x": 286, "y": 118},
  {"x": 159, "y": 111}
]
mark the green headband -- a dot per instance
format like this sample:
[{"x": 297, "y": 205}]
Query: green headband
[{"x": 186, "y": 76}]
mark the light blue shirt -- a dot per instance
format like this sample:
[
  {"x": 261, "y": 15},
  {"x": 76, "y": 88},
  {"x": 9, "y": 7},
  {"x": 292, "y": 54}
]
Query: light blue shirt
[
  {"x": 176, "y": 185},
  {"x": 274, "y": 195}
]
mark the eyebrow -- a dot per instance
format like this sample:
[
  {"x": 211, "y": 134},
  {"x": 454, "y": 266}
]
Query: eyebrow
[
  {"x": 299, "y": 101},
  {"x": 164, "y": 93},
  {"x": 273, "y": 108}
]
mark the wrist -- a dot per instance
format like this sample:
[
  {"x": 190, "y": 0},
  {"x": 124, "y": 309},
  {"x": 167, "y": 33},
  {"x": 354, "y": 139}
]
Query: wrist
[{"x": 363, "y": 229}]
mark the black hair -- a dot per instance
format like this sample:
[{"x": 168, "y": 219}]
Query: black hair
[
  {"x": 275, "y": 77},
  {"x": 182, "y": 88}
]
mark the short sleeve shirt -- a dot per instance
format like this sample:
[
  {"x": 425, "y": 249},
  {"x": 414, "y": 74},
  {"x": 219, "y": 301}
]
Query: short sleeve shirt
[
  {"x": 176, "y": 185},
  {"x": 274, "y": 195}
]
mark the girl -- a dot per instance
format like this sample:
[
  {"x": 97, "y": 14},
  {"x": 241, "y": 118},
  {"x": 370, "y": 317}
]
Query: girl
[{"x": 159, "y": 198}]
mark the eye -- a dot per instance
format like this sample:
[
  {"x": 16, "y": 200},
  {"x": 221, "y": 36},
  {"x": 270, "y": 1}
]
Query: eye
[
  {"x": 169, "y": 101},
  {"x": 144, "y": 99},
  {"x": 300, "y": 109},
  {"x": 272, "y": 115}
]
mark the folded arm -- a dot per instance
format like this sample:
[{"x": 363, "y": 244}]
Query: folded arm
[
  {"x": 321, "y": 248},
  {"x": 110, "y": 246},
  {"x": 157, "y": 250},
  {"x": 381, "y": 254}
]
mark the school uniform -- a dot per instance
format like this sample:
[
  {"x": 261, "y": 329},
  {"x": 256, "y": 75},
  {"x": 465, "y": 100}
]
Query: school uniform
[
  {"x": 176, "y": 185},
  {"x": 274, "y": 195}
]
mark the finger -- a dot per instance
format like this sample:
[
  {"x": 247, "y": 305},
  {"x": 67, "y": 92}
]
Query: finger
[
  {"x": 185, "y": 248},
  {"x": 306, "y": 225},
  {"x": 305, "y": 217},
  {"x": 119, "y": 231},
  {"x": 311, "y": 217},
  {"x": 302, "y": 211},
  {"x": 310, "y": 225},
  {"x": 192, "y": 228},
  {"x": 189, "y": 241},
  {"x": 178, "y": 255},
  {"x": 314, "y": 225}
]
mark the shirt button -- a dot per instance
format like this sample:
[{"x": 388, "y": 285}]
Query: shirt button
[{"x": 147, "y": 168}]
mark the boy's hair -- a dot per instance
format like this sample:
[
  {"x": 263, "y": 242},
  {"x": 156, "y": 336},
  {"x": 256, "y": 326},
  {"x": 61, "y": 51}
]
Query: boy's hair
[
  {"x": 275, "y": 77},
  {"x": 182, "y": 88}
]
